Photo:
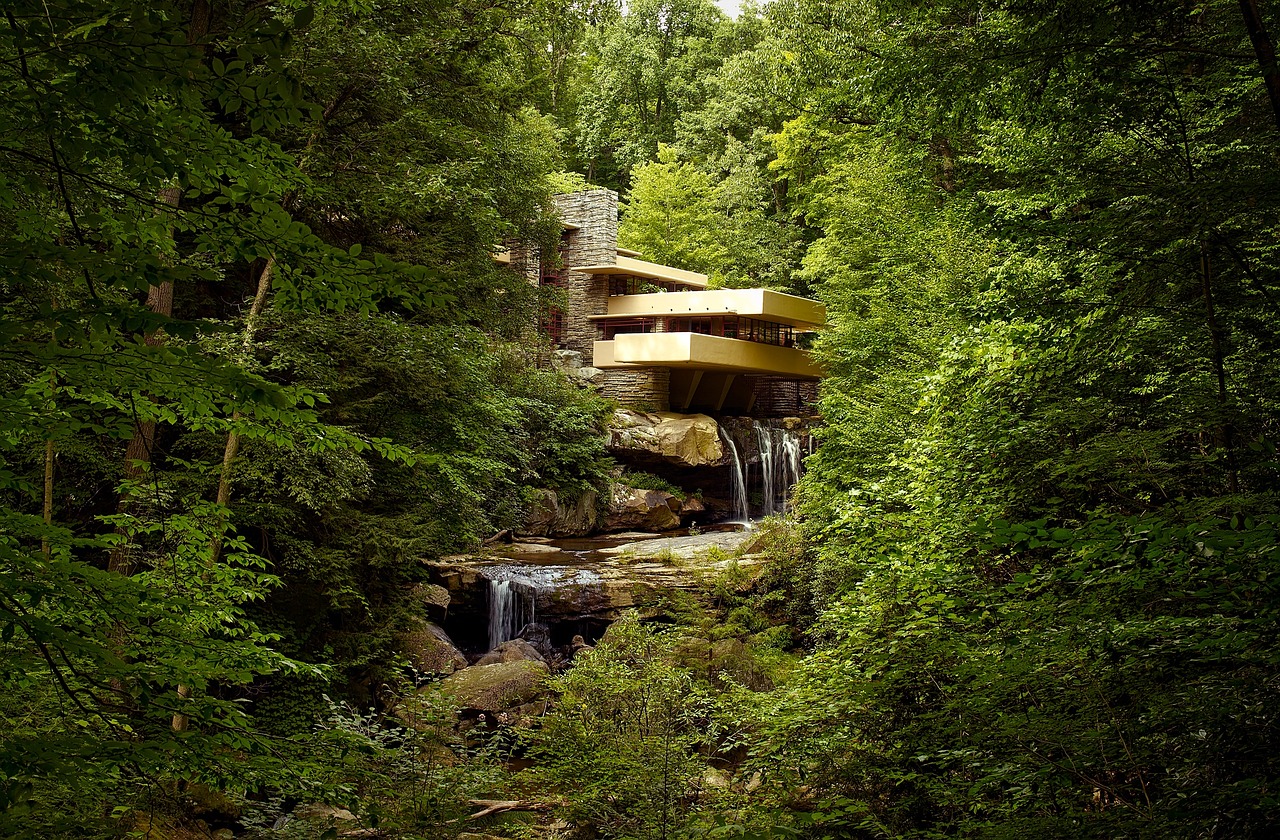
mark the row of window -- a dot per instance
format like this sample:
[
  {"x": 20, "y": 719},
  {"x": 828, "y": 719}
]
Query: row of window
[
  {"x": 728, "y": 326},
  {"x": 626, "y": 284}
]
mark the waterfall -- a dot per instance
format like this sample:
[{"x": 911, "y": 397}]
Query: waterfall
[
  {"x": 741, "y": 512},
  {"x": 791, "y": 457},
  {"x": 512, "y": 605},
  {"x": 780, "y": 455},
  {"x": 764, "y": 443}
]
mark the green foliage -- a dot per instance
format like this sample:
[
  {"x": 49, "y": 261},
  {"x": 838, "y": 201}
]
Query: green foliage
[
  {"x": 360, "y": 159},
  {"x": 93, "y": 660},
  {"x": 648, "y": 68},
  {"x": 649, "y": 481},
  {"x": 1040, "y": 323},
  {"x": 407, "y": 775},
  {"x": 677, "y": 214},
  {"x": 670, "y": 217},
  {"x": 620, "y": 744}
]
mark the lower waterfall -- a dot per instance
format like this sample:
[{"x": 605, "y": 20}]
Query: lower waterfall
[
  {"x": 780, "y": 454},
  {"x": 738, "y": 482},
  {"x": 512, "y": 605}
]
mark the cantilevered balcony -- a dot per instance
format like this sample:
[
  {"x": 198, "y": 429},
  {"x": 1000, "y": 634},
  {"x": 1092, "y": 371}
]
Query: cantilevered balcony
[
  {"x": 703, "y": 352},
  {"x": 626, "y": 266},
  {"x": 801, "y": 314}
]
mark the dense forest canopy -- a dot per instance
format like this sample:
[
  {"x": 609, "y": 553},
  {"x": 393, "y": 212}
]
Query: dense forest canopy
[{"x": 258, "y": 363}]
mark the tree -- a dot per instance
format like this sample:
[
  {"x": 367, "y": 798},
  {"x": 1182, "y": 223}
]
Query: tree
[
  {"x": 651, "y": 68},
  {"x": 261, "y": 125},
  {"x": 1045, "y": 252}
]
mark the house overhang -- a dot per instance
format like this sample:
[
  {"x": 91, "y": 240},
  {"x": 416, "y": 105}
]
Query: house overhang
[
  {"x": 651, "y": 271},
  {"x": 762, "y": 304},
  {"x": 696, "y": 351}
]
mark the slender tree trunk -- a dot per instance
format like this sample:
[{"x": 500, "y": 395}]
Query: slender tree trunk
[
  {"x": 1225, "y": 433},
  {"x": 233, "y": 438},
  {"x": 180, "y": 721},
  {"x": 48, "y": 494},
  {"x": 159, "y": 301},
  {"x": 1265, "y": 50}
]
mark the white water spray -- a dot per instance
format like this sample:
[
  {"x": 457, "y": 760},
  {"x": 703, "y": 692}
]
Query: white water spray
[
  {"x": 780, "y": 463},
  {"x": 512, "y": 605},
  {"x": 741, "y": 511}
]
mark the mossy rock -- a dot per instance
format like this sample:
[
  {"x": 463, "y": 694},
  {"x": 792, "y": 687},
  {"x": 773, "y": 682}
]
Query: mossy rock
[
  {"x": 429, "y": 649},
  {"x": 497, "y": 687}
]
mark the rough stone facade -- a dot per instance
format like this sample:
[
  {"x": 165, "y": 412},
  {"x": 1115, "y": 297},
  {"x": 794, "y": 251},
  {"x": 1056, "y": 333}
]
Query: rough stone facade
[
  {"x": 594, "y": 241},
  {"x": 647, "y": 389},
  {"x": 594, "y": 214},
  {"x": 778, "y": 397}
]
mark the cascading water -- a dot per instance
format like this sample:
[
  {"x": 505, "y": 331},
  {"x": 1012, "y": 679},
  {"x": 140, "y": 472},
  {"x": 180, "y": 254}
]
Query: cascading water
[
  {"x": 780, "y": 455},
  {"x": 512, "y": 605},
  {"x": 513, "y": 594},
  {"x": 764, "y": 444},
  {"x": 741, "y": 511},
  {"x": 791, "y": 458}
]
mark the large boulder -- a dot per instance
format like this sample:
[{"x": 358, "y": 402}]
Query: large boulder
[
  {"x": 633, "y": 508},
  {"x": 550, "y": 516},
  {"x": 515, "y": 650},
  {"x": 433, "y": 600},
  {"x": 430, "y": 650},
  {"x": 497, "y": 687},
  {"x": 689, "y": 440}
]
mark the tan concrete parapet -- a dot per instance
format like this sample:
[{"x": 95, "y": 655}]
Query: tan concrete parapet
[
  {"x": 762, "y": 304},
  {"x": 703, "y": 352},
  {"x": 641, "y": 268}
]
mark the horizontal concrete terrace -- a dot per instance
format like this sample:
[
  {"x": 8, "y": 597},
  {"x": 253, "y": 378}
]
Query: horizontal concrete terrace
[
  {"x": 703, "y": 352},
  {"x": 802, "y": 314}
]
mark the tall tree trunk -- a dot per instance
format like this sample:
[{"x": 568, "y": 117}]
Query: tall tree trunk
[
  {"x": 1224, "y": 434},
  {"x": 1265, "y": 50},
  {"x": 48, "y": 494},
  {"x": 180, "y": 721},
  {"x": 159, "y": 301}
]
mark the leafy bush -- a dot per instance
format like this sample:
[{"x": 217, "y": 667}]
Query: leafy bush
[
  {"x": 621, "y": 742},
  {"x": 649, "y": 481}
]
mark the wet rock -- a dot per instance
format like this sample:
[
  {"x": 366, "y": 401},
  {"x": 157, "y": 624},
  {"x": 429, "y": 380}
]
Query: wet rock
[
  {"x": 683, "y": 548},
  {"x": 634, "y": 508},
  {"x": 496, "y": 688},
  {"x": 551, "y": 516},
  {"x": 539, "y": 636},
  {"x": 690, "y": 440},
  {"x": 529, "y": 549},
  {"x": 429, "y": 649},
  {"x": 431, "y": 599},
  {"x": 691, "y": 506},
  {"x": 515, "y": 650}
]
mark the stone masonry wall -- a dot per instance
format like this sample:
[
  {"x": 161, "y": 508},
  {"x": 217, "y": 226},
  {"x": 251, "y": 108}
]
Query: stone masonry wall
[
  {"x": 778, "y": 397},
  {"x": 645, "y": 389},
  {"x": 595, "y": 242},
  {"x": 594, "y": 213}
]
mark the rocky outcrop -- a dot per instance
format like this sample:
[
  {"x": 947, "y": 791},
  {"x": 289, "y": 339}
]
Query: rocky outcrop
[
  {"x": 515, "y": 650},
  {"x": 429, "y": 649},
  {"x": 688, "y": 440},
  {"x": 432, "y": 600},
  {"x": 496, "y": 688},
  {"x": 635, "y": 509},
  {"x": 549, "y": 516}
]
